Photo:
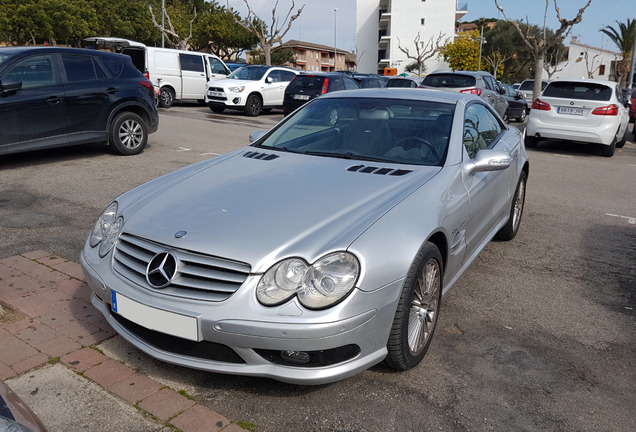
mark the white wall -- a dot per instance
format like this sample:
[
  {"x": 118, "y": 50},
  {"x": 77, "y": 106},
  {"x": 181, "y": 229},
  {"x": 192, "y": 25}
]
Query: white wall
[{"x": 576, "y": 66}]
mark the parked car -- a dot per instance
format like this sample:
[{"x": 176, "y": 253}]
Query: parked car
[
  {"x": 55, "y": 97},
  {"x": 234, "y": 66},
  {"x": 178, "y": 74},
  {"x": 404, "y": 82},
  {"x": 478, "y": 83},
  {"x": 588, "y": 111},
  {"x": 516, "y": 86},
  {"x": 251, "y": 89},
  {"x": 517, "y": 105},
  {"x": 320, "y": 249},
  {"x": 369, "y": 80},
  {"x": 527, "y": 90},
  {"x": 306, "y": 86},
  {"x": 15, "y": 415}
]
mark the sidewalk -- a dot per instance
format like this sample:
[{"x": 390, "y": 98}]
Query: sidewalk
[{"x": 49, "y": 327}]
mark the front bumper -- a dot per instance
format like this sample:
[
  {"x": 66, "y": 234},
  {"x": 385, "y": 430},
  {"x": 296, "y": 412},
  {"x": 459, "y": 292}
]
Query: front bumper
[{"x": 239, "y": 336}]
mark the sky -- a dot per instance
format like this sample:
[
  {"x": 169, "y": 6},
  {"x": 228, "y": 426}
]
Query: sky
[{"x": 316, "y": 22}]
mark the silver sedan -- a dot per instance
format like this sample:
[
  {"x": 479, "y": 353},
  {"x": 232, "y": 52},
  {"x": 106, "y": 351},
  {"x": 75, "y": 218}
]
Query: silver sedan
[{"x": 319, "y": 250}]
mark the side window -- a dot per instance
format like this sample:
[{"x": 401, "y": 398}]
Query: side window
[
  {"x": 190, "y": 62},
  {"x": 216, "y": 67},
  {"x": 481, "y": 129},
  {"x": 81, "y": 68},
  {"x": 336, "y": 84},
  {"x": 34, "y": 71},
  {"x": 287, "y": 76},
  {"x": 350, "y": 84},
  {"x": 490, "y": 84},
  {"x": 274, "y": 75}
]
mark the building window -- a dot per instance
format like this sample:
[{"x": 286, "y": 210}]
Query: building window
[
  {"x": 422, "y": 21},
  {"x": 601, "y": 70}
]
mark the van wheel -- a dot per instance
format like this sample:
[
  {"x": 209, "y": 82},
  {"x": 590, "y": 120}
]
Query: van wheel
[
  {"x": 128, "y": 134},
  {"x": 217, "y": 109},
  {"x": 253, "y": 105},
  {"x": 166, "y": 97}
]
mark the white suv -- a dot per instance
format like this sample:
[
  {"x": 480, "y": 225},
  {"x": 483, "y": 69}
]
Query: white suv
[
  {"x": 589, "y": 111},
  {"x": 252, "y": 89}
]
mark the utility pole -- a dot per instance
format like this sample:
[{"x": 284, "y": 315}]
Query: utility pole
[
  {"x": 335, "y": 50},
  {"x": 481, "y": 42},
  {"x": 163, "y": 24}
]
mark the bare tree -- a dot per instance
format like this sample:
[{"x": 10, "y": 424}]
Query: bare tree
[
  {"x": 267, "y": 37},
  {"x": 589, "y": 68},
  {"x": 540, "y": 44},
  {"x": 495, "y": 59},
  {"x": 423, "y": 51},
  {"x": 172, "y": 37}
]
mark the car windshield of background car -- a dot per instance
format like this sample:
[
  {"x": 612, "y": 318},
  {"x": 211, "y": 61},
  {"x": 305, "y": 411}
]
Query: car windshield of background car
[
  {"x": 389, "y": 130},
  {"x": 250, "y": 73},
  {"x": 575, "y": 90}
]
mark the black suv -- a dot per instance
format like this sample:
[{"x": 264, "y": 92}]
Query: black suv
[
  {"x": 54, "y": 97},
  {"x": 307, "y": 86}
]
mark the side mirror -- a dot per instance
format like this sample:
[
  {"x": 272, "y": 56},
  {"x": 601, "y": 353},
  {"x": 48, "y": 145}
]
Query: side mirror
[
  {"x": 8, "y": 87},
  {"x": 256, "y": 135},
  {"x": 269, "y": 80},
  {"x": 501, "y": 90},
  {"x": 489, "y": 160}
]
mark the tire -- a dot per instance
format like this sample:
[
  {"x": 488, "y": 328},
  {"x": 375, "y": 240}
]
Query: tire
[
  {"x": 128, "y": 134},
  {"x": 253, "y": 105},
  {"x": 510, "y": 229},
  {"x": 201, "y": 102},
  {"x": 217, "y": 109},
  {"x": 418, "y": 310},
  {"x": 166, "y": 97},
  {"x": 522, "y": 116},
  {"x": 608, "y": 151},
  {"x": 531, "y": 142}
]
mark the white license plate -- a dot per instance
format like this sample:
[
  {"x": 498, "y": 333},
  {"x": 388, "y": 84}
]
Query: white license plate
[
  {"x": 216, "y": 94},
  {"x": 570, "y": 111},
  {"x": 155, "y": 319},
  {"x": 301, "y": 97}
]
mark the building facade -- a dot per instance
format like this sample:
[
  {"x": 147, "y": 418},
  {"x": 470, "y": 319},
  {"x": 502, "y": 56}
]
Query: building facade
[
  {"x": 313, "y": 57},
  {"x": 383, "y": 26},
  {"x": 585, "y": 61}
]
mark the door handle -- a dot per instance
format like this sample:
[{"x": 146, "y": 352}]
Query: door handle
[
  {"x": 112, "y": 90},
  {"x": 53, "y": 100}
]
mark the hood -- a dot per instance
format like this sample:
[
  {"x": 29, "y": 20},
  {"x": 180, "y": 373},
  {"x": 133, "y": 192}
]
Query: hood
[{"x": 259, "y": 206}]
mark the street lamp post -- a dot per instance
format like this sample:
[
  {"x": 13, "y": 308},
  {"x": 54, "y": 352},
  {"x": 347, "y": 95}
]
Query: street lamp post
[
  {"x": 481, "y": 43},
  {"x": 163, "y": 24},
  {"x": 335, "y": 50}
]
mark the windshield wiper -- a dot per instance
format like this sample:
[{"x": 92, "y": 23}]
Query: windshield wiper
[{"x": 348, "y": 155}]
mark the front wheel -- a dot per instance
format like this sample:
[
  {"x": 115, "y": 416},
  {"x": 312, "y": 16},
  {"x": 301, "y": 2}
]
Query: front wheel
[
  {"x": 253, "y": 105},
  {"x": 128, "y": 134},
  {"x": 510, "y": 229},
  {"x": 217, "y": 109},
  {"x": 417, "y": 312}
]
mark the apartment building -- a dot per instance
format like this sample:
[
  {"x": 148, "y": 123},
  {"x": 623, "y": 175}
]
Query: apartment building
[
  {"x": 319, "y": 58},
  {"x": 383, "y": 26}
]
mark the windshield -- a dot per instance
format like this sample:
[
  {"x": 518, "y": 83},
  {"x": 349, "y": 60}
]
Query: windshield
[
  {"x": 250, "y": 73},
  {"x": 382, "y": 130},
  {"x": 4, "y": 57}
]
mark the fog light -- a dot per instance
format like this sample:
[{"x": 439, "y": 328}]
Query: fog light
[
  {"x": 297, "y": 357},
  {"x": 236, "y": 101}
]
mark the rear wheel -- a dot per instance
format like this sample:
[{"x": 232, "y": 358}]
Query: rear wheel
[
  {"x": 531, "y": 142},
  {"x": 522, "y": 116},
  {"x": 608, "y": 150},
  {"x": 509, "y": 230},
  {"x": 128, "y": 134},
  {"x": 253, "y": 105},
  {"x": 166, "y": 97},
  {"x": 621, "y": 143},
  {"x": 417, "y": 312}
]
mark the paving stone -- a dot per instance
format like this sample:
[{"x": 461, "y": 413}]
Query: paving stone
[
  {"x": 33, "y": 362},
  {"x": 37, "y": 333},
  {"x": 108, "y": 372},
  {"x": 59, "y": 346},
  {"x": 83, "y": 359},
  {"x": 135, "y": 388},
  {"x": 6, "y": 372},
  {"x": 165, "y": 404},
  {"x": 194, "y": 417},
  {"x": 35, "y": 255},
  {"x": 14, "y": 350}
]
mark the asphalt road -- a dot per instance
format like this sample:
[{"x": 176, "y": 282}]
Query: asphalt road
[{"x": 539, "y": 334}]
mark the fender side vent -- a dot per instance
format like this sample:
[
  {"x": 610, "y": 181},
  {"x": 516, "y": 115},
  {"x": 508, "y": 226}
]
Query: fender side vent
[
  {"x": 261, "y": 156},
  {"x": 378, "y": 170}
]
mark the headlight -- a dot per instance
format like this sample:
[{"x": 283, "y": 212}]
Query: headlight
[
  {"x": 322, "y": 284},
  {"x": 106, "y": 230},
  {"x": 236, "y": 89}
]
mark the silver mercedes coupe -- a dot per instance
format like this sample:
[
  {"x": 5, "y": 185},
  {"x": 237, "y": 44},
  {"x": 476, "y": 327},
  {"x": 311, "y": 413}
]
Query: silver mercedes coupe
[{"x": 319, "y": 250}]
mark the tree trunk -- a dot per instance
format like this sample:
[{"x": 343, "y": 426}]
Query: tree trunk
[
  {"x": 539, "y": 57},
  {"x": 267, "y": 50}
]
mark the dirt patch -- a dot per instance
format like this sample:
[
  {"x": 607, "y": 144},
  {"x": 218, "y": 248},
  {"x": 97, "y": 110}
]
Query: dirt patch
[{"x": 9, "y": 315}]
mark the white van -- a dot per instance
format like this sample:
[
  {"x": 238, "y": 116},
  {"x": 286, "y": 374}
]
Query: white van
[{"x": 179, "y": 74}]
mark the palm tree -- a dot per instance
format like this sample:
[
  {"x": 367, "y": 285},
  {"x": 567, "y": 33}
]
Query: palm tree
[{"x": 623, "y": 37}]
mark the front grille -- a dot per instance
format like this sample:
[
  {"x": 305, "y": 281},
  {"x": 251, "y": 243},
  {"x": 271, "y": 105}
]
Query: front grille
[{"x": 201, "y": 277}]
